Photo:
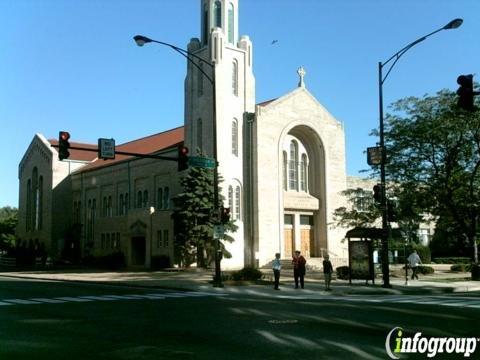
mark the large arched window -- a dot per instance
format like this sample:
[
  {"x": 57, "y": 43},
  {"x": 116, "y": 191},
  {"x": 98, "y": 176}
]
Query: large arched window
[
  {"x": 292, "y": 167},
  {"x": 231, "y": 23},
  {"x": 285, "y": 167},
  {"x": 145, "y": 198},
  {"x": 235, "y": 137},
  {"x": 199, "y": 134},
  {"x": 303, "y": 173},
  {"x": 40, "y": 202},
  {"x": 235, "y": 77},
  {"x": 217, "y": 12}
]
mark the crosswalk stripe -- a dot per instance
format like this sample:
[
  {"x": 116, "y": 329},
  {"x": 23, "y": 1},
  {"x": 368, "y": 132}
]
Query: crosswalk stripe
[
  {"x": 21, "y": 301},
  {"x": 74, "y": 299},
  {"x": 44, "y": 300}
]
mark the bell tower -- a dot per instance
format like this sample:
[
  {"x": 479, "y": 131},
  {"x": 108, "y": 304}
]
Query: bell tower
[{"x": 230, "y": 57}]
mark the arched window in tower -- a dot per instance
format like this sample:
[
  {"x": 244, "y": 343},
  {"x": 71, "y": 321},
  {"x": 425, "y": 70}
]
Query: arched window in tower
[
  {"x": 235, "y": 137},
  {"x": 200, "y": 80},
  {"x": 285, "y": 167},
  {"x": 293, "y": 166},
  {"x": 231, "y": 23},
  {"x": 237, "y": 203},
  {"x": 217, "y": 12},
  {"x": 199, "y": 134},
  {"x": 235, "y": 77},
  {"x": 303, "y": 173}
]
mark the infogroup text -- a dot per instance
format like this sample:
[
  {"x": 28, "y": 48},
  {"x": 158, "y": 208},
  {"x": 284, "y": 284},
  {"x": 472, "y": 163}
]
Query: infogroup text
[{"x": 430, "y": 345}]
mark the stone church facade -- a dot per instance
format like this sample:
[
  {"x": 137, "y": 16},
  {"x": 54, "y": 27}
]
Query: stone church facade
[{"x": 282, "y": 162}]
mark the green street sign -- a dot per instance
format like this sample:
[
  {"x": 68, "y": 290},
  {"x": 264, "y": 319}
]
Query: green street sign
[{"x": 201, "y": 162}]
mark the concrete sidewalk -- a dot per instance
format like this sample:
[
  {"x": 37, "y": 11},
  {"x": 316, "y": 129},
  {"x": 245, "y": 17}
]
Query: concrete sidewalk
[{"x": 200, "y": 280}]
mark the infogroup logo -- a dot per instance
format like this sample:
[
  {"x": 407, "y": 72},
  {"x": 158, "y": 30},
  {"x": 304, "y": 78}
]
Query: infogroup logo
[{"x": 432, "y": 346}]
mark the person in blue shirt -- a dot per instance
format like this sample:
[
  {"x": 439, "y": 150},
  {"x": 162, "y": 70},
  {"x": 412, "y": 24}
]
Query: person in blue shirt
[{"x": 276, "y": 266}]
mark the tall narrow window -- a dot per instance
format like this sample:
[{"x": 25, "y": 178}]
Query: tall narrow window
[
  {"x": 235, "y": 77},
  {"x": 237, "y": 203},
  {"x": 127, "y": 203},
  {"x": 35, "y": 199},
  {"x": 159, "y": 239},
  {"x": 109, "y": 207},
  {"x": 217, "y": 10},
  {"x": 200, "y": 80},
  {"x": 231, "y": 23},
  {"x": 292, "y": 167},
  {"x": 29, "y": 204},
  {"x": 199, "y": 134},
  {"x": 159, "y": 198},
  {"x": 285, "y": 167},
  {"x": 166, "y": 198},
  {"x": 120, "y": 205},
  {"x": 145, "y": 198},
  {"x": 303, "y": 173},
  {"x": 40, "y": 202},
  {"x": 235, "y": 137},
  {"x": 165, "y": 238},
  {"x": 230, "y": 198},
  {"x": 104, "y": 206}
]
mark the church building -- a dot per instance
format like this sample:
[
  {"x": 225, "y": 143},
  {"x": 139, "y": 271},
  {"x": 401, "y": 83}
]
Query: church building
[{"x": 282, "y": 162}]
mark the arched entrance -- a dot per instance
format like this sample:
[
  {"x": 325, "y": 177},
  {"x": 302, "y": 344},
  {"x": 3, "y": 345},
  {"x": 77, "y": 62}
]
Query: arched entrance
[{"x": 303, "y": 173}]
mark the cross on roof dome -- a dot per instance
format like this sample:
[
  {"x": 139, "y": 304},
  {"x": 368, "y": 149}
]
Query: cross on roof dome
[{"x": 301, "y": 72}]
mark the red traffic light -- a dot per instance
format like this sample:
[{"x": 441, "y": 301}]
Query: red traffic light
[
  {"x": 64, "y": 135},
  {"x": 182, "y": 158}
]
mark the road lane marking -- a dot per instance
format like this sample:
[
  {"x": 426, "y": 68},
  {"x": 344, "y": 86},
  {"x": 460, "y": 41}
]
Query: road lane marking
[{"x": 21, "y": 301}]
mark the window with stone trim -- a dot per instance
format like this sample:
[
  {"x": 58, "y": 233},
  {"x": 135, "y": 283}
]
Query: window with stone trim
[
  {"x": 235, "y": 77},
  {"x": 303, "y": 173},
  {"x": 293, "y": 166},
  {"x": 217, "y": 11},
  {"x": 237, "y": 203},
  {"x": 231, "y": 23},
  {"x": 235, "y": 137}
]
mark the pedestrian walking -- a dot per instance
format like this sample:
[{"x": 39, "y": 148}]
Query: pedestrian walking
[
  {"x": 299, "y": 263},
  {"x": 276, "y": 266},
  {"x": 413, "y": 262},
  {"x": 327, "y": 272}
]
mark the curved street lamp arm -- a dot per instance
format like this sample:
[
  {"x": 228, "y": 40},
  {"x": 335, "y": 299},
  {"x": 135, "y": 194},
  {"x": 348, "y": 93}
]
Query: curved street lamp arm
[
  {"x": 399, "y": 53},
  {"x": 187, "y": 54}
]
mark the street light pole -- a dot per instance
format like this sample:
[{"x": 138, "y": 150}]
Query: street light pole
[
  {"x": 141, "y": 40},
  {"x": 381, "y": 79}
]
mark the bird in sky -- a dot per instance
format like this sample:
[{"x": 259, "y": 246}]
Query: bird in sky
[{"x": 274, "y": 42}]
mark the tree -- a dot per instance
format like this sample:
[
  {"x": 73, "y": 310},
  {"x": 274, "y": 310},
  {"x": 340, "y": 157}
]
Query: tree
[
  {"x": 193, "y": 218},
  {"x": 434, "y": 153},
  {"x": 8, "y": 225},
  {"x": 354, "y": 216}
]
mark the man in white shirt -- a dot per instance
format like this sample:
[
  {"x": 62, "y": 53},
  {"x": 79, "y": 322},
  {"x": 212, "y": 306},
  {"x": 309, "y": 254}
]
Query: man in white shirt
[{"x": 276, "y": 266}]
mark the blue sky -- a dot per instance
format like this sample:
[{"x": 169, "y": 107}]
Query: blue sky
[{"x": 72, "y": 65}]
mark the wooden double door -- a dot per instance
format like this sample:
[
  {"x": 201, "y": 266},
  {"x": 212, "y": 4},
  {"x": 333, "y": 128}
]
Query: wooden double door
[{"x": 306, "y": 242}]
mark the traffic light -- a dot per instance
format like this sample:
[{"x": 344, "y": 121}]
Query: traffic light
[
  {"x": 63, "y": 145},
  {"x": 377, "y": 194},
  {"x": 465, "y": 92},
  {"x": 225, "y": 216},
  {"x": 182, "y": 158},
  {"x": 391, "y": 211}
]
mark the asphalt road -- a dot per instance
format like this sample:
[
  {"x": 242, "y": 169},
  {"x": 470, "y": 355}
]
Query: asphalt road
[{"x": 59, "y": 320}]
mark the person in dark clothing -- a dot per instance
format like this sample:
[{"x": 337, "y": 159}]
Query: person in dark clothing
[
  {"x": 327, "y": 272},
  {"x": 299, "y": 263}
]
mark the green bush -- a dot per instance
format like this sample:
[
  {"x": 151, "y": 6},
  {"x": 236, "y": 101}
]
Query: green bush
[
  {"x": 461, "y": 267},
  {"x": 452, "y": 260},
  {"x": 343, "y": 272},
  {"x": 113, "y": 261},
  {"x": 161, "y": 262},
  {"x": 425, "y": 270},
  {"x": 247, "y": 273}
]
